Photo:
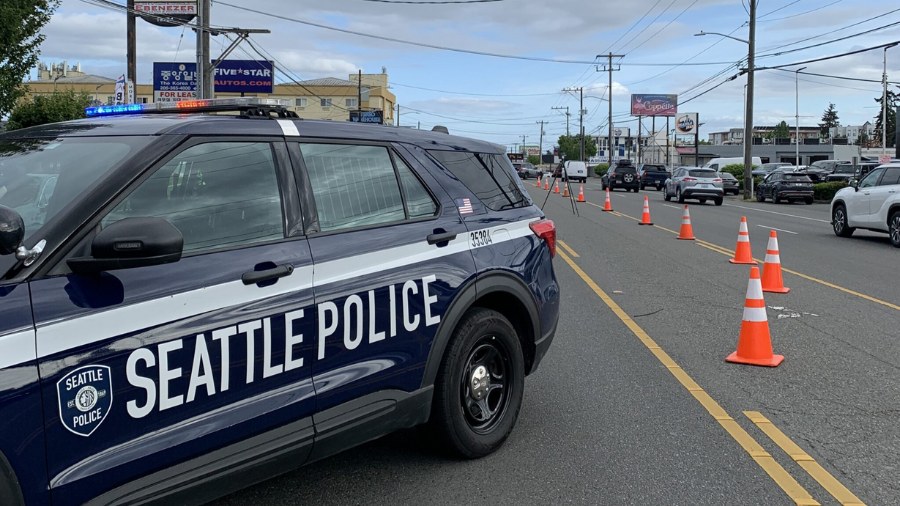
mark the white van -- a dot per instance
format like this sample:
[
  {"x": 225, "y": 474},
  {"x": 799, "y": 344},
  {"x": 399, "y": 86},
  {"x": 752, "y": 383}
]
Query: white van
[
  {"x": 716, "y": 164},
  {"x": 576, "y": 170}
]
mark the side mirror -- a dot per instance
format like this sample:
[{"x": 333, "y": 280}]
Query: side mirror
[
  {"x": 132, "y": 242},
  {"x": 12, "y": 230},
  {"x": 855, "y": 184}
]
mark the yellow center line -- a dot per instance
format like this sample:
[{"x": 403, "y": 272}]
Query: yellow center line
[
  {"x": 765, "y": 461},
  {"x": 566, "y": 247},
  {"x": 727, "y": 252},
  {"x": 828, "y": 482}
]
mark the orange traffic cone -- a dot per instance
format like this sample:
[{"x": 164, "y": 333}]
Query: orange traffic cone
[
  {"x": 581, "y": 193},
  {"x": 645, "y": 217},
  {"x": 754, "y": 342},
  {"x": 607, "y": 206},
  {"x": 687, "y": 232},
  {"x": 537, "y": 180},
  {"x": 556, "y": 187},
  {"x": 742, "y": 253},
  {"x": 771, "y": 273},
  {"x": 546, "y": 183},
  {"x": 565, "y": 190}
]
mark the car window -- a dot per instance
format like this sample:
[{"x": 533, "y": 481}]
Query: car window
[
  {"x": 419, "y": 202},
  {"x": 486, "y": 176},
  {"x": 30, "y": 170},
  {"x": 871, "y": 179},
  {"x": 891, "y": 176},
  {"x": 797, "y": 178},
  {"x": 703, "y": 173},
  {"x": 217, "y": 194}
]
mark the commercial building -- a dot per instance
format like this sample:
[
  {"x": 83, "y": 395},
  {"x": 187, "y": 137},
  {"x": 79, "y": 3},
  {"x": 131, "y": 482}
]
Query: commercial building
[{"x": 329, "y": 98}]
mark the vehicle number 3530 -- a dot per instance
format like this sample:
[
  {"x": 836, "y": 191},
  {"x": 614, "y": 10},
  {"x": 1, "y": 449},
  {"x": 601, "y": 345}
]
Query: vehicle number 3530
[{"x": 480, "y": 238}]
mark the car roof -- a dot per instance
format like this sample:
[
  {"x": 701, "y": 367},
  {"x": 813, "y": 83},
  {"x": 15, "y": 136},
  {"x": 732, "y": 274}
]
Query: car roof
[{"x": 219, "y": 124}]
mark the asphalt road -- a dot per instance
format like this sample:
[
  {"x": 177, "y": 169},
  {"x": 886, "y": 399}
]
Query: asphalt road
[{"x": 635, "y": 404}]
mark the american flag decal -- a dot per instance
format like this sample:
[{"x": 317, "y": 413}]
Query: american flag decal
[{"x": 465, "y": 206}]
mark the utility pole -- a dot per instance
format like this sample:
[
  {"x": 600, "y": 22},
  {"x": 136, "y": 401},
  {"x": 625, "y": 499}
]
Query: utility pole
[
  {"x": 609, "y": 68},
  {"x": 523, "y": 144},
  {"x": 398, "y": 114},
  {"x": 567, "y": 117},
  {"x": 131, "y": 44},
  {"x": 580, "y": 118},
  {"x": 748, "y": 120},
  {"x": 541, "y": 143},
  {"x": 204, "y": 79},
  {"x": 359, "y": 95}
]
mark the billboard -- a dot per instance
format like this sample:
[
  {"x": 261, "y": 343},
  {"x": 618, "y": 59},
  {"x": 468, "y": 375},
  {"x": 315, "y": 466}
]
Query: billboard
[
  {"x": 686, "y": 123},
  {"x": 244, "y": 76},
  {"x": 174, "y": 81},
  {"x": 376, "y": 117},
  {"x": 171, "y": 13},
  {"x": 654, "y": 105}
]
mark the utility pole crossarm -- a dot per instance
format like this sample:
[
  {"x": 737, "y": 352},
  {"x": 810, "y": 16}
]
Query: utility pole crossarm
[{"x": 609, "y": 69}]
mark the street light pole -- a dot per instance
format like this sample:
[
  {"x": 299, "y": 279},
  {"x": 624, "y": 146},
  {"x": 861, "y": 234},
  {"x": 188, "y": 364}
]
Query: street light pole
[{"x": 797, "y": 114}]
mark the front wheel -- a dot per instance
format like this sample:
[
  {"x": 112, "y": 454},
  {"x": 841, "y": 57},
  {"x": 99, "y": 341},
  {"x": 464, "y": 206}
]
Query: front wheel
[
  {"x": 839, "y": 222},
  {"x": 479, "y": 387},
  {"x": 666, "y": 196},
  {"x": 678, "y": 196},
  {"x": 894, "y": 229},
  {"x": 760, "y": 197}
]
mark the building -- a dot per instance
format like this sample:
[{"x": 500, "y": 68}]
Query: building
[
  {"x": 762, "y": 135},
  {"x": 329, "y": 98},
  {"x": 853, "y": 134}
]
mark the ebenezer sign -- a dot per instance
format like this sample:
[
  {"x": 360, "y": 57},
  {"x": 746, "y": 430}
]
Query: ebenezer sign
[{"x": 171, "y": 13}]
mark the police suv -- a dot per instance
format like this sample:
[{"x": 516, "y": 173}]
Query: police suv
[{"x": 194, "y": 300}]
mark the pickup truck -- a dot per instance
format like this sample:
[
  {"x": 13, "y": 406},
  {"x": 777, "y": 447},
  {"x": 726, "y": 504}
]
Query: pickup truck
[{"x": 652, "y": 174}]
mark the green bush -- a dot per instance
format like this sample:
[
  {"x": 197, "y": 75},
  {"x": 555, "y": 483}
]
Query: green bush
[
  {"x": 601, "y": 168},
  {"x": 826, "y": 191}
]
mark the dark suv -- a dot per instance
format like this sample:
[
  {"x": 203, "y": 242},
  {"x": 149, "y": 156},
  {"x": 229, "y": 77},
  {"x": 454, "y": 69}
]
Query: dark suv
[
  {"x": 780, "y": 185},
  {"x": 654, "y": 175},
  {"x": 198, "y": 302},
  {"x": 622, "y": 175}
]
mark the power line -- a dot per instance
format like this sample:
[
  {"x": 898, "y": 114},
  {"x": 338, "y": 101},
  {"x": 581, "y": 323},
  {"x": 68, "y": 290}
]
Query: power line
[
  {"x": 832, "y": 31},
  {"x": 824, "y": 58},
  {"x": 395, "y": 83},
  {"x": 800, "y": 13},
  {"x": 785, "y": 6},
  {"x": 442, "y": 2},
  {"x": 832, "y": 41},
  {"x": 879, "y": 81},
  {"x": 609, "y": 49},
  {"x": 664, "y": 27}
]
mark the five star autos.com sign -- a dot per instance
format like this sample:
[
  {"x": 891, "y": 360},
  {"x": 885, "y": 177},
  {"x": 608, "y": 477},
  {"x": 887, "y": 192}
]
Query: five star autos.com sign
[{"x": 176, "y": 81}]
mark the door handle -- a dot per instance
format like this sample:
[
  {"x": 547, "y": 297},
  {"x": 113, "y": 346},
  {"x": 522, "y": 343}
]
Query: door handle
[
  {"x": 255, "y": 277},
  {"x": 441, "y": 237}
]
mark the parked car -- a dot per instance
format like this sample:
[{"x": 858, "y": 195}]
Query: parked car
[
  {"x": 826, "y": 165},
  {"x": 782, "y": 185},
  {"x": 717, "y": 164},
  {"x": 729, "y": 183},
  {"x": 652, "y": 174},
  {"x": 846, "y": 171},
  {"x": 526, "y": 170},
  {"x": 766, "y": 168},
  {"x": 694, "y": 183},
  {"x": 575, "y": 170},
  {"x": 815, "y": 174},
  {"x": 622, "y": 175},
  {"x": 872, "y": 204}
]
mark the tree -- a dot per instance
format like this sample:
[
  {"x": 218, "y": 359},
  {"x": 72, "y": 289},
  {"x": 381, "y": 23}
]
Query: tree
[
  {"x": 534, "y": 159},
  {"x": 829, "y": 121},
  {"x": 781, "y": 131},
  {"x": 59, "y": 106},
  {"x": 891, "y": 118},
  {"x": 570, "y": 147},
  {"x": 20, "y": 41}
]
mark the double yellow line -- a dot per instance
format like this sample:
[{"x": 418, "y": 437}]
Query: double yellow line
[{"x": 756, "y": 451}]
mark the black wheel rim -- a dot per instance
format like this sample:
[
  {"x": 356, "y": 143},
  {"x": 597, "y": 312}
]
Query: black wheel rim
[
  {"x": 485, "y": 384},
  {"x": 838, "y": 221},
  {"x": 895, "y": 229}
]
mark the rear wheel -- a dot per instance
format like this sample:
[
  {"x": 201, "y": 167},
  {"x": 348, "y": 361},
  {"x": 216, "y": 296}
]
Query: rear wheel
[
  {"x": 839, "y": 221},
  {"x": 776, "y": 199},
  {"x": 894, "y": 228},
  {"x": 760, "y": 197},
  {"x": 718, "y": 201},
  {"x": 678, "y": 196},
  {"x": 809, "y": 200},
  {"x": 479, "y": 387},
  {"x": 666, "y": 196},
  {"x": 702, "y": 200}
]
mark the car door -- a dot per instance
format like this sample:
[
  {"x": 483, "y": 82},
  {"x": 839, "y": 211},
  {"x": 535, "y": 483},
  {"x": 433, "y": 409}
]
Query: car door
[
  {"x": 390, "y": 252},
  {"x": 155, "y": 377},
  {"x": 885, "y": 187},
  {"x": 859, "y": 205}
]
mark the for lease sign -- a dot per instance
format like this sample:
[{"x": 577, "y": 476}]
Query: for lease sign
[{"x": 174, "y": 81}]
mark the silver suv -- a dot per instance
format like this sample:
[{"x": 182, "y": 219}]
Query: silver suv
[
  {"x": 694, "y": 183},
  {"x": 872, "y": 204}
]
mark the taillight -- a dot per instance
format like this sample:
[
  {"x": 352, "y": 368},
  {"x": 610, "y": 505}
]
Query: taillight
[
  {"x": 717, "y": 180},
  {"x": 546, "y": 230},
  {"x": 689, "y": 179}
]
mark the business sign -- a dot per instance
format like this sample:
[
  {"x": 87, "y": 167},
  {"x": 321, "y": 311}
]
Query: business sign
[
  {"x": 120, "y": 89},
  {"x": 654, "y": 105},
  {"x": 174, "y": 81},
  {"x": 686, "y": 123},
  {"x": 171, "y": 13},
  {"x": 244, "y": 76},
  {"x": 367, "y": 117}
]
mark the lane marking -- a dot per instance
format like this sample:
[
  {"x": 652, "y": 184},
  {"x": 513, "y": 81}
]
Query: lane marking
[
  {"x": 566, "y": 247},
  {"x": 762, "y": 458},
  {"x": 778, "y": 229},
  {"x": 673, "y": 207},
  {"x": 804, "y": 460},
  {"x": 778, "y": 213}
]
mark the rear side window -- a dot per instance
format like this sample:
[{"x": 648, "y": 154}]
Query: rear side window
[
  {"x": 654, "y": 168},
  {"x": 711, "y": 174},
  {"x": 626, "y": 170},
  {"x": 356, "y": 186},
  {"x": 891, "y": 176},
  {"x": 487, "y": 176}
]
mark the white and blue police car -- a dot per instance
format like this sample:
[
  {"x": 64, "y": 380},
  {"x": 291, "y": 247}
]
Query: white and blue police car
[{"x": 195, "y": 297}]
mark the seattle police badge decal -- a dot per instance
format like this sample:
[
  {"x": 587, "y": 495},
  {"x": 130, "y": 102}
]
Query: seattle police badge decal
[{"x": 85, "y": 397}]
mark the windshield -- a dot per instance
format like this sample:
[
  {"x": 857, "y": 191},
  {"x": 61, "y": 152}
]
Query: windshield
[
  {"x": 40, "y": 177},
  {"x": 797, "y": 178},
  {"x": 710, "y": 174}
]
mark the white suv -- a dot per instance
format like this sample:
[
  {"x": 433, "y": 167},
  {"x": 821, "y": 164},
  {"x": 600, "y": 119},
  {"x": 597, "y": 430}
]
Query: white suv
[{"x": 871, "y": 204}]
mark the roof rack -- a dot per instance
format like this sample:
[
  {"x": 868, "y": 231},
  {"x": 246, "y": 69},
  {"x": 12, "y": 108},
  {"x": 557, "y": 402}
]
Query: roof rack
[{"x": 246, "y": 106}]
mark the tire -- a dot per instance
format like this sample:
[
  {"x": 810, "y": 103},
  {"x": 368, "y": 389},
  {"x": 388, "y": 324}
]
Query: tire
[
  {"x": 659, "y": 188},
  {"x": 718, "y": 200},
  {"x": 637, "y": 190},
  {"x": 809, "y": 201},
  {"x": 760, "y": 197},
  {"x": 678, "y": 196},
  {"x": 702, "y": 200},
  {"x": 839, "y": 221},
  {"x": 894, "y": 229},
  {"x": 776, "y": 199},
  {"x": 643, "y": 186},
  {"x": 611, "y": 188},
  {"x": 484, "y": 346},
  {"x": 666, "y": 196}
]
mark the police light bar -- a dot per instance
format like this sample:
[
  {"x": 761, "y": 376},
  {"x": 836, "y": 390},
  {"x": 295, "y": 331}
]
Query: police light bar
[{"x": 185, "y": 106}]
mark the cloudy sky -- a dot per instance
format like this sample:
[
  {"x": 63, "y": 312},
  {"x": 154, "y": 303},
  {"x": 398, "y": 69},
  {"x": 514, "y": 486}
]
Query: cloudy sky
[{"x": 539, "y": 49}]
